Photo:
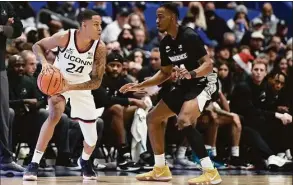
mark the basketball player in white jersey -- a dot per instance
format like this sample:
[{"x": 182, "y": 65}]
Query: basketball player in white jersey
[{"x": 81, "y": 53}]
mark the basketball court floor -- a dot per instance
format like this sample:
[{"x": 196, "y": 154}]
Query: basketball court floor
[{"x": 180, "y": 177}]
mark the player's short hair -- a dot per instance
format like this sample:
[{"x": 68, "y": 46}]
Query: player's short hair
[
  {"x": 86, "y": 15},
  {"x": 171, "y": 7}
]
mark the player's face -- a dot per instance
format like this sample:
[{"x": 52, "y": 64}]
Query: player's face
[
  {"x": 93, "y": 27},
  {"x": 163, "y": 19},
  {"x": 259, "y": 72},
  {"x": 114, "y": 69}
]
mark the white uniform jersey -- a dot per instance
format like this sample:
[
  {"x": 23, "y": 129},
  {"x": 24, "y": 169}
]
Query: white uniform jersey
[{"x": 74, "y": 65}]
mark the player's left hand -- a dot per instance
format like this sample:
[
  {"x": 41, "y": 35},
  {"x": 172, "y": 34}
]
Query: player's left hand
[{"x": 183, "y": 73}]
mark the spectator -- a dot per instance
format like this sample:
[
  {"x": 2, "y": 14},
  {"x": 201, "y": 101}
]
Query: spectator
[
  {"x": 269, "y": 19},
  {"x": 256, "y": 25},
  {"x": 138, "y": 56},
  {"x": 248, "y": 100},
  {"x": 225, "y": 77},
  {"x": 216, "y": 26},
  {"x": 282, "y": 65},
  {"x": 117, "y": 109},
  {"x": 127, "y": 41},
  {"x": 272, "y": 53},
  {"x": 196, "y": 10},
  {"x": 30, "y": 62},
  {"x": 282, "y": 31},
  {"x": 256, "y": 43},
  {"x": 112, "y": 30},
  {"x": 10, "y": 27},
  {"x": 140, "y": 38},
  {"x": 100, "y": 8},
  {"x": 240, "y": 23},
  {"x": 222, "y": 53}
]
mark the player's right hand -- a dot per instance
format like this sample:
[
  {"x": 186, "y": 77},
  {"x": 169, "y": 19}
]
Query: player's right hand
[{"x": 130, "y": 87}]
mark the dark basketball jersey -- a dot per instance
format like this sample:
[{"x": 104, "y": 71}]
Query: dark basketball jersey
[{"x": 184, "y": 51}]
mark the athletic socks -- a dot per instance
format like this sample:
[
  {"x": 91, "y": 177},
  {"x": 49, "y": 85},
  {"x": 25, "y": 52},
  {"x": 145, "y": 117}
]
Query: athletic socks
[
  {"x": 37, "y": 156},
  {"x": 85, "y": 156},
  {"x": 235, "y": 151},
  {"x": 181, "y": 152},
  {"x": 206, "y": 163},
  {"x": 160, "y": 160},
  {"x": 196, "y": 141}
]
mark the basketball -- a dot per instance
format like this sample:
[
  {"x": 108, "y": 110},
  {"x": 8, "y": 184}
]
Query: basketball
[{"x": 50, "y": 81}]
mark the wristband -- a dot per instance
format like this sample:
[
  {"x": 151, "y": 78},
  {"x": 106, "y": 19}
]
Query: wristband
[{"x": 192, "y": 74}]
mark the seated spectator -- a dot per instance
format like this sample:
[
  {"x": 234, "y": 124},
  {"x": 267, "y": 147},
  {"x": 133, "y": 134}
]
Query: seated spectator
[
  {"x": 127, "y": 41},
  {"x": 282, "y": 31},
  {"x": 269, "y": 19},
  {"x": 225, "y": 77},
  {"x": 222, "y": 53},
  {"x": 140, "y": 38},
  {"x": 117, "y": 109},
  {"x": 256, "y": 43},
  {"x": 272, "y": 53},
  {"x": 249, "y": 100},
  {"x": 256, "y": 25},
  {"x": 240, "y": 23},
  {"x": 216, "y": 26},
  {"x": 112, "y": 30},
  {"x": 282, "y": 65},
  {"x": 196, "y": 10}
]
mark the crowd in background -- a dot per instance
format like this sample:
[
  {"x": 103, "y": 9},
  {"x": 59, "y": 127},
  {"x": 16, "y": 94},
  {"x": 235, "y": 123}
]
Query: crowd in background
[{"x": 253, "y": 59}]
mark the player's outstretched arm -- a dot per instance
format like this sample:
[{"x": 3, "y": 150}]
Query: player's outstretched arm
[
  {"x": 160, "y": 77},
  {"x": 97, "y": 72}
]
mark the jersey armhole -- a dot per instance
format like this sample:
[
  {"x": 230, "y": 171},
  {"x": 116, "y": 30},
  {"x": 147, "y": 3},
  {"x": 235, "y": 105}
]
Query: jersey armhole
[{"x": 67, "y": 43}]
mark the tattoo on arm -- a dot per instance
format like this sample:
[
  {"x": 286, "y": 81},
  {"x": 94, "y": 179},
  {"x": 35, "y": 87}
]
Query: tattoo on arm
[{"x": 97, "y": 72}]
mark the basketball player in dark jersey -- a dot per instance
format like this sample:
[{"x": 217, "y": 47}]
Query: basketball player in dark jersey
[{"x": 182, "y": 48}]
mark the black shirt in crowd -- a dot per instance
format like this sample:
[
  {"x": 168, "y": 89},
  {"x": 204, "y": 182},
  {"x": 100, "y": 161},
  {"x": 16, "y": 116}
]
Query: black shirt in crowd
[
  {"x": 185, "y": 51},
  {"x": 108, "y": 93},
  {"x": 21, "y": 88},
  {"x": 249, "y": 100}
]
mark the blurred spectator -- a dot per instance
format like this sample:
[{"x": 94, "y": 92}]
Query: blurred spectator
[
  {"x": 140, "y": 38},
  {"x": 240, "y": 23},
  {"x": 225, "y": 77},
  {"x": 282, "y": 31},
  {"x": 127, "y": 41},
  {"x": 222, "y": 53},
  {"x": 152, "y": 68},
  {"x": 100, "y": 8},
  {"x": 256, "y": 25},
  {"x": 256, "y": 43},
  {"x": 112, "y": 30},
  {"x": 272, "y": 53},
  {"x": 282, "y": 65},
  {"x": 135, "y": 21},
  {"x": 139, "y": 8},
  {"x": 155, "y": 42},
  {"x": 30, "y": 62},
  {"x": 269, "y": 19},
  {"x": 68, "y": 10},
  {"x": 216, "y": 26},
  {"x": 196, "y": 10}
]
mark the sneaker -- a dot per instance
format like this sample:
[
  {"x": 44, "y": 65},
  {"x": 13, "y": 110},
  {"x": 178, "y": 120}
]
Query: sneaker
[
  {"x": 42, "y": 166},
  {"x": 157, "y": 174},
  {"x": 146, "y": 161},
  {"x": 238, "y": 163},
  {"x": 218, "y": 163},
  {"x": 125, "y": 163},
  {"x": 87, "y": 169},
  {"x": 209, "y": 176},
  {"x": 31, "y": 172},
  {"x": 275, "y": 163},
  {"x": 11, "y": 169},
  {"x": 68, "y": 164},
  {"x": 184, "y": 163},
  {"x": 98, "y": 166}
]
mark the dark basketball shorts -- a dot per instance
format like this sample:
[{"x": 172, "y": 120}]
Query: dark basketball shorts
[{"x": 204, "y": 93}]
